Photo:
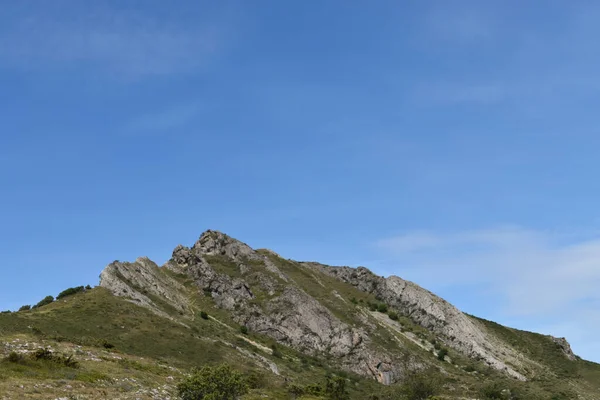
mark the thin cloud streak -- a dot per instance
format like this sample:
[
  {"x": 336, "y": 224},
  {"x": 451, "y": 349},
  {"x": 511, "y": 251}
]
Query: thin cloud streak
[
  {"x": 538, "y": 68},
  {"x": 163, "y": 121},
  {"x": 534, "y": 275},
  {"x": 111, "y": 41}
]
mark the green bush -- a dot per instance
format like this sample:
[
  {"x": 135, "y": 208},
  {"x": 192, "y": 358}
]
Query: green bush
[
  {"x": 276, "y": 352},
  {"x": 70, "y": 292},
  {"x": 295, "y": 390},
  {"x": 441, "y": 354},
  {"x": 393, "y": 316},
  {"x": 203, "y": 315},
  {"x": 353, "y": 300},
  {"x": 420, "y": 386},
  {"x": 493, "y": 391},
  {"x": 213, "y": 383},
  {"x": 335, "y": 389},
  {"x": 47, "y": 355},
  {"x": 313, "y": 389},
  {"x": 382, "y": 308},
  {"x": 244, "y": 329},
  {"x": 45, "y": 301},
  {"x": 256, "y": 380},
  {"x": 25, "y": 308},
  {"x": 14, "y": 357}
]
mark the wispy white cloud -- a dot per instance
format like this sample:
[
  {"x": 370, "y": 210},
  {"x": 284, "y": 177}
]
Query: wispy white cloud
[
  {"x": 120, "y": 42},
  {"x": 524, "y": 64},
  {"x": 163, "y": 121},
  {"x": 444, "y": 93},
  {"x": 457, "y": 24},
  {"x": 547, "y": 279}
]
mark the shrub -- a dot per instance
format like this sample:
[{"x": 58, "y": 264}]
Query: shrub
[
  {"x": 88, "y": 287},
  {"x": 382, "y": 308},
  {"x": 36, "y": 331},
  {"x": 470, "y": 368},
  {"x": 276, "y": 352},
  {"x": 45, "y": 301},
  {"x": 70, "y": 292},
  {"x": 492, "y": 391},
  {"x": 393, "y": 316},
  {"x": 203, "y": 315},
  {"x": 14, "y": 357},
  {"x": 420, "y": 386},
  {"x": 256, "y": 380},
  {"x": 25, "y": 308},
  {"x": 107, "y": 345},
  {"x": 244, "y": 329},
  {"x": 313, "y": 389},
  {"x": 353, "y": 300},
  {"x": 335, "y": 389},
  {"x": 213, "y": 383},
  {"x": 295, "y": 390},
  {"x": 372, "y": 306},
  {"x": 42, "y": 354},
  {"x": 441, "y": 354},
  {"x": 68, "y": 361}
]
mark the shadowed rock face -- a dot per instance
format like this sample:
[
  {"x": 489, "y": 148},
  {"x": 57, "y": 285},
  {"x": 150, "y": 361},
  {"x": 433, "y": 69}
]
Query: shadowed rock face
[
  {"x": 456, "y": 329},
  {"x": 565, "y": 347},
  {"x": 140, "y": 281},
  {"x": 257, "y": 292}
]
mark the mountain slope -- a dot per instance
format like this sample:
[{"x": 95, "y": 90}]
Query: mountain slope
[{"x": 222, "y": 301}]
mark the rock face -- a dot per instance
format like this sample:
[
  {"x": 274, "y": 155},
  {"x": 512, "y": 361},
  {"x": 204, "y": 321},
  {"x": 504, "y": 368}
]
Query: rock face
[
  {"x": 565, "y": 347},
  {"x": 270, "y": 296},
  {"x": 142, "y": 282},
  {"x": 286, "y": 313},
  {"x": 431, "y": 312}
]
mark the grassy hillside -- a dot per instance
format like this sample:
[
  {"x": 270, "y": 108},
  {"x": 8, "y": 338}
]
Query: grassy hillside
[{"x": 103, "y": 346}]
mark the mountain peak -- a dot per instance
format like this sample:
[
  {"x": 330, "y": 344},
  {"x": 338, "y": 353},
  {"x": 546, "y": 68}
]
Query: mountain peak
[
  {"x": 320, "y": 310},
  {"x": 214, "y": 242}
]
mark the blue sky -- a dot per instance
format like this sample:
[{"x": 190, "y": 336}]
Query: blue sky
[{"x": 454, "y": 144}]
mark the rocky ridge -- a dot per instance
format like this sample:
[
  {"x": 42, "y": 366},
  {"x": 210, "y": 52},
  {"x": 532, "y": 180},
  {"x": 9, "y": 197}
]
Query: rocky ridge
[{"x": 260, "y": 291}]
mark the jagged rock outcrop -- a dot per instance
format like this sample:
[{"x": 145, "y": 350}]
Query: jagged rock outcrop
[
  {"x": 291, "y": 317},
  {"x": 565, "y": 347},
  {"x": 430, "y": 311},
  {"x": 265, "y": 293},
  {"x": 142, "y": 282}
]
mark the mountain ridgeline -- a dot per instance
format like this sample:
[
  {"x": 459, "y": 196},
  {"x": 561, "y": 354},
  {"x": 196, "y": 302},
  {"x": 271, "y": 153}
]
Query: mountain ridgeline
[{"x": 222, "y": 301}]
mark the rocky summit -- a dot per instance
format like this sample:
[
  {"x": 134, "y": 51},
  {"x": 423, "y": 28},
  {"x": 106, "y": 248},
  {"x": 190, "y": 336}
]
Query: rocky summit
[{"x": 297, "y": 322}]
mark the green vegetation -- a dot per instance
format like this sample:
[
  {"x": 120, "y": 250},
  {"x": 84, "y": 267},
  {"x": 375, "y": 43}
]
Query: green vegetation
[
  {"x": 25, "y": 308},
  {"x": 70, "y": 292},
  {"x": 335, "y": 389},
  {"x": 494, "y": 391},
  {"x": 44, "y": 302},
  {"x": 421, "y": 386},
  {"x": 101, "y": 341},
  {"x": 275, "y": 351},
  {"x": 441, "y": 354},
  {"x": 213, "y": 383}
]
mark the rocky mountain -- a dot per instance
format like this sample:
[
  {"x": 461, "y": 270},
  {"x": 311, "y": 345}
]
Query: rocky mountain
[{"x": 254, "y": 304}]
